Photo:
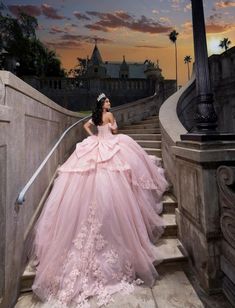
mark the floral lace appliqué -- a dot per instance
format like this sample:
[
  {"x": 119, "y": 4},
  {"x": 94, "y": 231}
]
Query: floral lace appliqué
[{"x": 84, "y": 274}]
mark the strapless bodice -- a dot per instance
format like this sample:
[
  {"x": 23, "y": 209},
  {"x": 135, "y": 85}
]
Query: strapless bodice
[{"x": 105, "y": 131}]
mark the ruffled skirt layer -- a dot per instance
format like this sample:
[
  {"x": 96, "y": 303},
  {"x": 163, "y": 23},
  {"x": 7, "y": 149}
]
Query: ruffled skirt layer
[{"x": 95, "y": 234}]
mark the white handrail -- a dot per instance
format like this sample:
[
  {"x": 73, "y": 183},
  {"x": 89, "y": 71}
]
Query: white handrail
[{"x": 21, "y": 196}]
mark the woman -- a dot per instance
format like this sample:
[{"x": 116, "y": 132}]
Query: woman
[{"x": 93, "y": 235}]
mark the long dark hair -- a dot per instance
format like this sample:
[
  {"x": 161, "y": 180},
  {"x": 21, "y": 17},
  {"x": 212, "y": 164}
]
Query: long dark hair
[{"x": 97, "y": 112}]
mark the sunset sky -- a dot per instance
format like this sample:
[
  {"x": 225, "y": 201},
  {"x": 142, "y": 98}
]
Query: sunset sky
[{"x": 137, "y": 29}]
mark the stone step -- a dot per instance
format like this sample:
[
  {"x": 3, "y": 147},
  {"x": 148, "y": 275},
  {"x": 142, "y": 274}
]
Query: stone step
[
  {"x": 157, "y": 160},
  {"x": 153, "y": 117},
  {"x": 27, "y": 279},
  {"x": 145, "y": 136},
  {"x": 148, "y": 121},
  {"x": 150, "y": 144},
  {"x": 156, "y": 152},
  {"x": 169, "y": 203},
  {"x": 170, "y": 250},
  {"x": 171, "y": 290},
  {"x": 170, "y": 225},
  {"x": 141, "y": 125},
  {"x": 140, "y": 131}
]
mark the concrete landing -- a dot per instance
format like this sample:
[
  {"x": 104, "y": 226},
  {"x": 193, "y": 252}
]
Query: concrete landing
[{"x": 171, "y": 290}]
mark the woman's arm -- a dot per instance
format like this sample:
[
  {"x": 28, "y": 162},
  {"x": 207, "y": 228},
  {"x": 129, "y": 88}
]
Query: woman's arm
[
  {"x": 113, "y": 123},
  {"x": 87, "y": 127}
]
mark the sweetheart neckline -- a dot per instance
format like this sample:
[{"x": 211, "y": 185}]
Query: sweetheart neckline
[{"x": 105, "y": 124}]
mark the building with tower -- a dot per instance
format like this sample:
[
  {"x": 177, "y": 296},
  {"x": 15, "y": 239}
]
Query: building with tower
[{"x": 122, "y": 81}]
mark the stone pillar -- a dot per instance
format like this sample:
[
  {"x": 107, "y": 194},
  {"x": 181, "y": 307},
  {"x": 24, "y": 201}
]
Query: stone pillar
[{"x": 199, "y": 213}]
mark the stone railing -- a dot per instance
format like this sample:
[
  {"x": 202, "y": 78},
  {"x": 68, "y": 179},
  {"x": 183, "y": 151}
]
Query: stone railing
[
  {"x": 202, "y": 175},
  {"x": 186, "y": 106},
  {"x": 172, "y": 128},
  {"x": 30, "y": 126},
  {"x": 137, "y": 111}
]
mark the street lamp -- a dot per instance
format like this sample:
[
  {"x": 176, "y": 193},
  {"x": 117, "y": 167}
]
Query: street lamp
[
  {"x": 17, "y": 66},
  {"x": 206, "y": 118}
]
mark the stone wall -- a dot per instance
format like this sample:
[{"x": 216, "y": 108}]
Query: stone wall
[
  {"x": 199, "y": 214},
  {"x": 30, "y": 124},
  {"x": 80, "y": 94}
]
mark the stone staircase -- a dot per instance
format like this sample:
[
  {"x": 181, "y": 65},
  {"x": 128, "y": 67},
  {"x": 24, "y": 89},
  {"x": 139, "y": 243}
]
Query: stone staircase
[
  {"x": 147, "y": 134},
  {"x": 174, "y": 288}
]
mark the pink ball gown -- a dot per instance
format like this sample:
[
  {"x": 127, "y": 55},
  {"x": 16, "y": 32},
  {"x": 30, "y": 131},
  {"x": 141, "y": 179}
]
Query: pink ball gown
[{"x": 95, "y": 234}]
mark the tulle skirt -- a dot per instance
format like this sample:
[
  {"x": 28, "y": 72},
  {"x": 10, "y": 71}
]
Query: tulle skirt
[{"x": 96, "y": 233}]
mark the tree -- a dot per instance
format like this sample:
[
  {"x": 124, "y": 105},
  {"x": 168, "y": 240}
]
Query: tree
[
  {"x": 187, "y": 60},
  {"x": 173, "y": 38},
  {"x": 28, "y": 25},
  {"x": 224, "y": 44},
  {"x": 18, "y": 38},
  {"x": 80, "y": 69}
]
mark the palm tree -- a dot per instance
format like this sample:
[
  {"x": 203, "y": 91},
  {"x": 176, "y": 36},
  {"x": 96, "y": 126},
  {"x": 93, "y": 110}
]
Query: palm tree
[
  {"x": 187, "y": 60},
  {"x": 225, "y": 43},
  {"x": 173, "y": 38}
]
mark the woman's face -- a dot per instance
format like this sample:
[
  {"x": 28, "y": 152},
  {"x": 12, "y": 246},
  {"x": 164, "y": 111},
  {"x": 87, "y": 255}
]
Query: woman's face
[{"x": 106, "y": 104}]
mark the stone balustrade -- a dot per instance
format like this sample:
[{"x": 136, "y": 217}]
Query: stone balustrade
[
  {"x": 202, "y": 175},
  {"x": 226, "y": 185},
  {"x": 171, "y": 129}
]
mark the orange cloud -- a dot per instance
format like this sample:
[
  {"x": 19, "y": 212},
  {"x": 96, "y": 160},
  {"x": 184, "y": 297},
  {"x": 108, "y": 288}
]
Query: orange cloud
[
  {"x": 51, "y": 12},
  {"x": 224, "y": 4},
  {"x": 69, "y": 44},
  {"x": 80, "y": 16},
  {"x": 218, "y": 28},
  {"x": 72, "y": 41},
  {"x": 32, "y": 10},
  {"x": 211, "y": 27},
  {"x": 188, "y": 7},
  {"x": 119, "y": 19}
]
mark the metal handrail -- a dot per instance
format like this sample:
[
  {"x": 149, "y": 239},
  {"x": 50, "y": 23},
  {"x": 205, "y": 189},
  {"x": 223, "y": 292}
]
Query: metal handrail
[{"x": 21, "y": 196}]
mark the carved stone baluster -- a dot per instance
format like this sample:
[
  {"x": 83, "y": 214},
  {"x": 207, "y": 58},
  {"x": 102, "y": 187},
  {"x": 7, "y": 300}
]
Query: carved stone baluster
[{"x": 226, "y": 184}]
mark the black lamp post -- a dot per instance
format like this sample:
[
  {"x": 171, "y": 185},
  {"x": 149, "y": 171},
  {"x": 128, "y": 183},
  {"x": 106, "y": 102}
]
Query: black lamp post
[{"x": 206, "y": 118}]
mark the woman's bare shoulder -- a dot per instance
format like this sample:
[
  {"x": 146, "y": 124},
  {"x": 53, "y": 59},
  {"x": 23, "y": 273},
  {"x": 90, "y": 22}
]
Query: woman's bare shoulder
[{"x": 110, "y": 115}]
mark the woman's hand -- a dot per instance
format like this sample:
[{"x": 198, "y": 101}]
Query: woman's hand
[
  {"x": 87, "y": 127},
  {"x": 113, "y": 124}
]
